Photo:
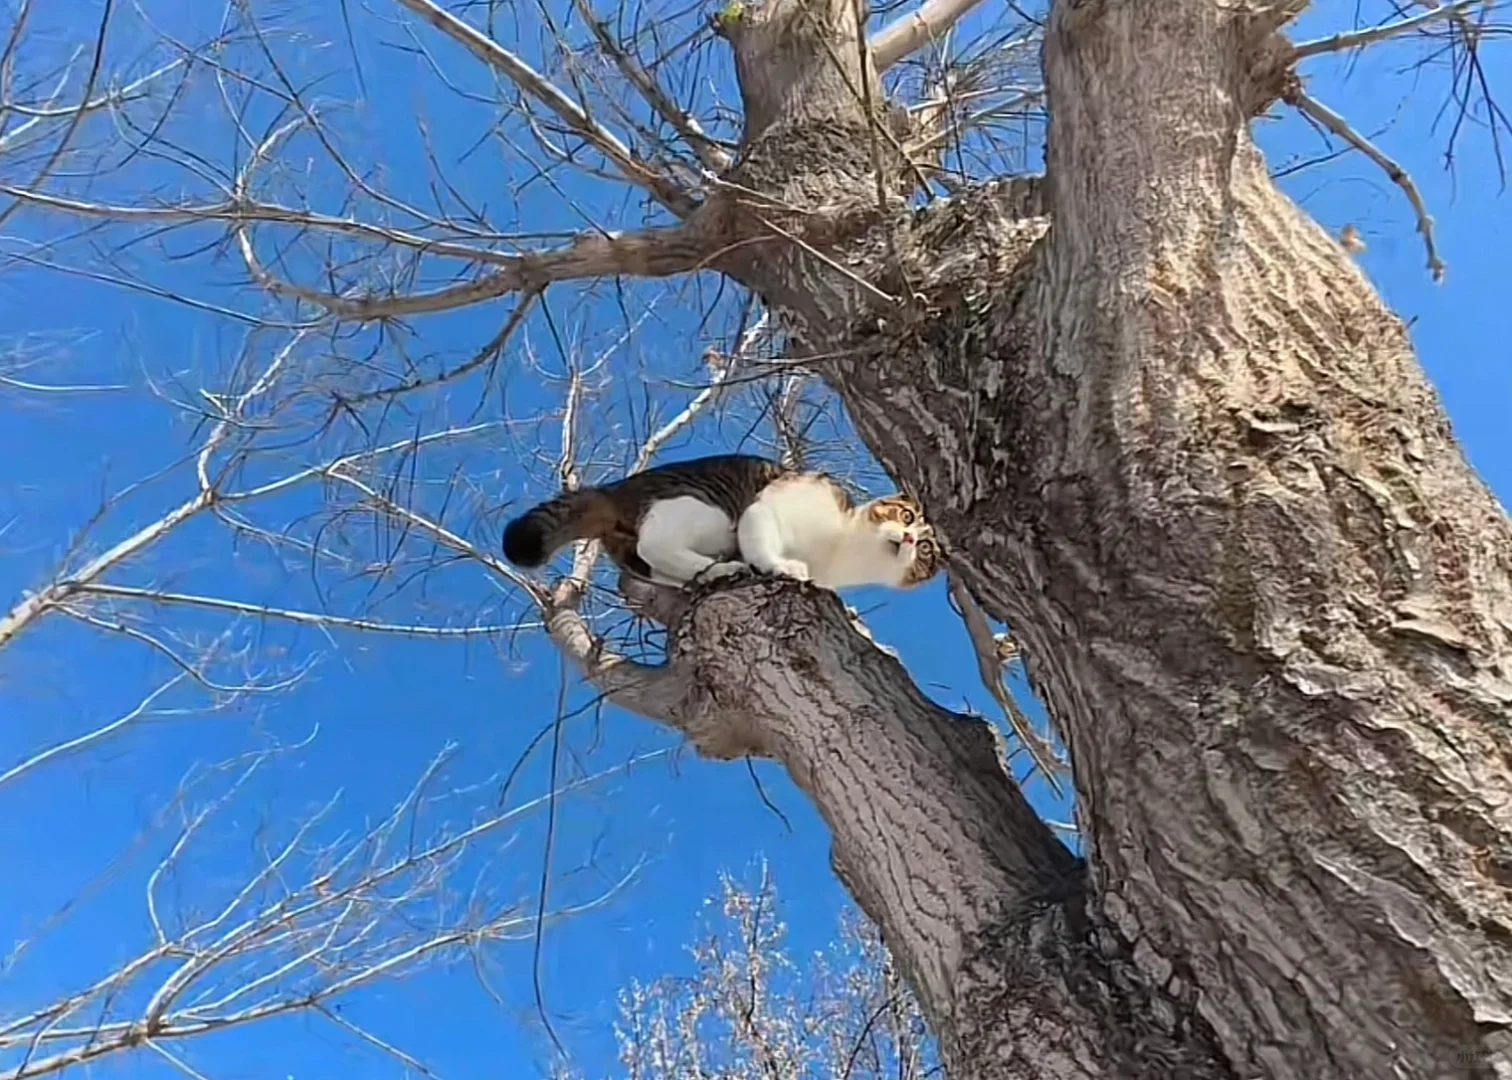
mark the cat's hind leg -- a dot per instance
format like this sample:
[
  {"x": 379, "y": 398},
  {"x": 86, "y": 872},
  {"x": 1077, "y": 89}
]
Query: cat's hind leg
[{"x": 681, "y": 538}]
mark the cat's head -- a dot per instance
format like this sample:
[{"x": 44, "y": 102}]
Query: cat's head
[{"x": 909, "y": 548}]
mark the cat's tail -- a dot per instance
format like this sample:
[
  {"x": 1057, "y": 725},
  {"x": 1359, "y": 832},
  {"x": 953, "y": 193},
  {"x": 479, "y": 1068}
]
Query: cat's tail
[{"x": 539, "y": 533}]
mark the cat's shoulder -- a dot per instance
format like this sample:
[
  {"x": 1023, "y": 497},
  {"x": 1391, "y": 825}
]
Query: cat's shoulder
[{"x": 814, "y": 484}]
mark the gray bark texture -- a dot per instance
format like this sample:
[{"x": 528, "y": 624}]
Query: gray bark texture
[{"x": 1172, "y": 437}]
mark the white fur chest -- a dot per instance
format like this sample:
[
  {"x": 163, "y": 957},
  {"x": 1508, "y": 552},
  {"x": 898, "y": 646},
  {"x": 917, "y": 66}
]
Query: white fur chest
[
  {"x": 837, "y": 547},
  {"x": 809, "y": 520}
]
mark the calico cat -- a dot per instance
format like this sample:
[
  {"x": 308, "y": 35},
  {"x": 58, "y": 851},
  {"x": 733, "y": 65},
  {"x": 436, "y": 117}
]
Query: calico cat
[{"x": 711, "y": 516}]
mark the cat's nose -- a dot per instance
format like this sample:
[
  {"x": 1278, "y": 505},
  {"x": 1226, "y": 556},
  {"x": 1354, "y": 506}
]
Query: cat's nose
[{"x": 908, "y": 536}]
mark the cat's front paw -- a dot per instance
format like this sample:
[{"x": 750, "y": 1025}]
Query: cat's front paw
[
  {"x": 715, "y": 571},
  {"x": 792, "y": 568}
]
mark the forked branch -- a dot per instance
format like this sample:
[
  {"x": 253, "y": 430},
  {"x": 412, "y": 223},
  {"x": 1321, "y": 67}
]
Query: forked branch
[
  {"x": 713, "y": 156},
  {"x": 317, "y": 918},
  {"x": 531, "y": 82},
  {"x": 652, "y": 253}
]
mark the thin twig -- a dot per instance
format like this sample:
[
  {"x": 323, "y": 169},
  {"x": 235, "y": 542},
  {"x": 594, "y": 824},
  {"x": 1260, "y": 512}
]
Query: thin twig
[
  {"x": 310, "y": 618},
  {"x": 1316, "y": 110},
  {"x": 990, "y": 666},
  {"x": 909, "y": 33},
  {"x": 666, "y": 191},
  {"x": 91, "y": 737},
  {"x": 1359, "y": 39},
  {"x": 109, "y": 99},
  {"x": 409, "y": 1061}
]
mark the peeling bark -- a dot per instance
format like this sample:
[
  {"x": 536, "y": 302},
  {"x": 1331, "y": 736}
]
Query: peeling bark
[{"x": 1172, "y": 436}]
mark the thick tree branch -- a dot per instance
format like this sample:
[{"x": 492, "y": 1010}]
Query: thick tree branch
[
  {"x": 652, "y": 253},
  {"x": 798, "y": 64},
  {"x": 1177, "y": 442},
  {"x": 653, "y": 691},
  {"x": 966, "y": 882}
]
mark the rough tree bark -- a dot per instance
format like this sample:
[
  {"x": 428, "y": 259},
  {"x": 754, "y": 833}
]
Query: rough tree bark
[{"x": 1172, "y": 436}]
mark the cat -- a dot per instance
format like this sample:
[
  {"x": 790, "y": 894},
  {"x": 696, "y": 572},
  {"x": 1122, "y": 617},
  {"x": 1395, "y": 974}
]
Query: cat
[{"x": 712, "y": 516}]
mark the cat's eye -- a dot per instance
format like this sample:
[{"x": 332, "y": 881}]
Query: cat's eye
[
  {"x": 926, "y": 547},
  {"x": 908, "y": 516}
]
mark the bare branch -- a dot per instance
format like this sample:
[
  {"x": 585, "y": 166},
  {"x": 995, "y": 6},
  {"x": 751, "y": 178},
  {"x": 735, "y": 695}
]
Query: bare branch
[
  {"x": 909, "y": 33},
  {"x": 649, "y": 690},
  {"x": 246, "y": 211},
  {"x": 713, "y": 156},
  {"x": 723, "y": 371},
  {"x": 651, "y": 253},
  {"x": 1359, "y": 39},
  {"x": 112, "y": 98},
  {"x": 329, "y": 469},
  {"x": 990, "y": 667},
  {"x": 90, "y": 738},
  {"x": 195, "y": 670},
  {"x": 74, "y": 117},
  {"x": 442, "y": 535},
  {"x": 666, "y": 191},
  {"x": 313, "y": 922},
  {"x": 309, "y": 618},
  {"x": 37, "y": 603},
  {"x": 56, "y": 388},
  {"x": 409, "y": 1061},
  {"x": 1399, "y": 176},
  {"x": 86, "y": 580}
]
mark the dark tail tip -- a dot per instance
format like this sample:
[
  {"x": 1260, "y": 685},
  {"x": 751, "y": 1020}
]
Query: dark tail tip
[{"x": 525, "y": 541}]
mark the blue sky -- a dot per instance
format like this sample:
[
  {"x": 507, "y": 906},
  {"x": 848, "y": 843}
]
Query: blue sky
[{"x": 370, "y": 712}]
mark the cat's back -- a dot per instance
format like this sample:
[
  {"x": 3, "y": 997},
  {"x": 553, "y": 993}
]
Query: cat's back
[
  {"x": 730, "y": 482},
  {"x": 810, "y": 505}
]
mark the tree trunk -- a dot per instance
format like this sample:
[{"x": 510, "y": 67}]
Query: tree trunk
[{"x": 1172, "y": 436}]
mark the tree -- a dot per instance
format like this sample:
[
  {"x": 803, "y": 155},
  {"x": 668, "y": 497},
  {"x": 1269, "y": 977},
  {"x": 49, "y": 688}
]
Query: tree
[
  {"x": 1171, "y": 437},
  {"x": 320, "y": 916},
  {"x": 749, "y": 1008}
]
